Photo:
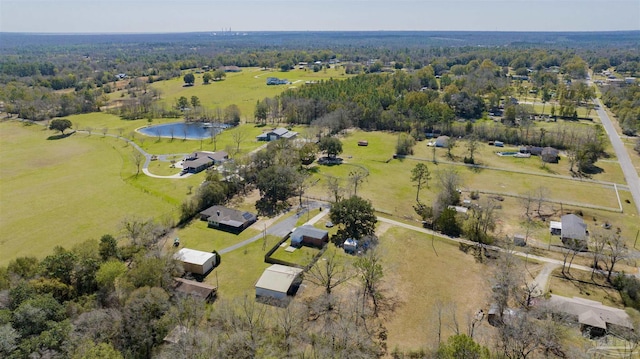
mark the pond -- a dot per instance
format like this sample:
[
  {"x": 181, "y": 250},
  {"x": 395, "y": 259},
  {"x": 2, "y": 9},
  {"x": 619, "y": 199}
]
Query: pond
[{"x": 180, "y": 130}]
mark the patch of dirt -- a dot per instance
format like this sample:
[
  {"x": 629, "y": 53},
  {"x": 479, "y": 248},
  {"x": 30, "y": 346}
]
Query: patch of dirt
[{"x": 382, "y": 228}]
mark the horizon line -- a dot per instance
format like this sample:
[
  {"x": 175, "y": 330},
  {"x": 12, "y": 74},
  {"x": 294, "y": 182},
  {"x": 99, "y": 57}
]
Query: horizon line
[{"x": 300, "y": 31}]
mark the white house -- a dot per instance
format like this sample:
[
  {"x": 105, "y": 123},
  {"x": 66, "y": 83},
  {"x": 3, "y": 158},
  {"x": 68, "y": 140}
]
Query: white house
[
  {"x": 194, "y": 261},
  {"x": 276, "y": 281}
]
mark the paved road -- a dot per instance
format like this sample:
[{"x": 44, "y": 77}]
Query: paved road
[
  {"x": 279, "y": 229},
  {"x": 468, "y": 242},
  {"x": 630, "y": 174}
]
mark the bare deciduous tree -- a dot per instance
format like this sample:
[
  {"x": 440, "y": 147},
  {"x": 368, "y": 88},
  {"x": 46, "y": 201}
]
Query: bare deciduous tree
[
  {"x": 335, "y": 190},
  {"x": 617, "y": 251},
  {"x": 328, "y": 273},
  {"x": 356, "y": 178},
  {"x": 239, "y": 135},
  {"x": 138, "y": 159}
]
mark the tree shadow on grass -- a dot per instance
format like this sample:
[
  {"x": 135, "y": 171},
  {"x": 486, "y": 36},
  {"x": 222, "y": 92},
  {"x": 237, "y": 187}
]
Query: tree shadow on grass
[{"x": 60, "y": 136}]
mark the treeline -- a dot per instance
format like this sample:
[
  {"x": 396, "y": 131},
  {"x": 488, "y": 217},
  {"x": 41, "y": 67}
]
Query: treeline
[
  {"x": 624, "y": 101},
  {"x": 418, "y": 102}
]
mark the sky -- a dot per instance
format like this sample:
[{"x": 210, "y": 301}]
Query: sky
[{"x": 164, "y": 16}]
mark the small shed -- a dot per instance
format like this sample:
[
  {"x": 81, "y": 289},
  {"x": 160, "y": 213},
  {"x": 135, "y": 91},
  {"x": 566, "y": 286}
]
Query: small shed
[
  {"x": 363, "y": 143},
  {"x": 195, "y": 289},
  {"x": 550, "y": 155},
  {"x": 519, "y": 240},
  {"x": 277, "y": 281},
  {"x": 350, "y": 245},
  {"x": 310, "y": 236},
  {"x": 194, "y": 261},
  {"x": 555, "y": 228},
  {"x": 442, "y": 141},
  {"x": 498, "y": 143}
]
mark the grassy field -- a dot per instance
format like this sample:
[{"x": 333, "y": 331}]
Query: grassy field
[
  {"x": 301, "y": 256},
  {"x": 65, "y": 191},
  {"x": 583, "y": 286},
  {"x": 240, "y": 88},
  {"x": 416, "y": 280}
]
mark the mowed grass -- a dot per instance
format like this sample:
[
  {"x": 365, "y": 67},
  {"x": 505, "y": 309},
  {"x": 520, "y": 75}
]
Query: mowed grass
[
  {"x": 416, "y": 280},
  {"x": 239, "y": 271},
  {"x": 302, "y": 256},
  {"x": 240, "y": 88},
  {"x": 390, "y": 189},
  {"x": 62, "y": 192},
  {"x": 197, "y": 235}
]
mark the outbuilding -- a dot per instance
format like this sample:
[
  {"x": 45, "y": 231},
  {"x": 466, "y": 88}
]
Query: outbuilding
[
  {"x": 309, "y": 236},
  {"x": 277, "y": 281},
  {"x": 442, "y": 141},
  {"x": 194, "y": 261},
  {"x": 350, "y": 245},
  {"x": 574, "y": 231},
  {"x": 194, "y": 289}
]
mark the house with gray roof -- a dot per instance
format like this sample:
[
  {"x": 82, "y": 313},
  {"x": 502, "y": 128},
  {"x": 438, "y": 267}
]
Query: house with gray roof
[
  {"x": 594, "y": 318},
  {"x": 228, "y": 219},
  {"x": 276, "y": 134},
  {"x": 310, "y": 236},
  {"x": 201, "y": 160},
  {"x": 574, "y": 230}
]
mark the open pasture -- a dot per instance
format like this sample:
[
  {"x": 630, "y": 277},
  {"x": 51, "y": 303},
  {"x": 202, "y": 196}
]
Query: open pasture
[
  {"x": 240, "y": 88},
  {"x": 65, "y": 191}
]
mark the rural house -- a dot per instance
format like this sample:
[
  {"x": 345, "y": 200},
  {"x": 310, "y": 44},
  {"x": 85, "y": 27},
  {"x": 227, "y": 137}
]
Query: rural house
[
  {"x": 277, "y": 282},
  {"x": 574, "y": 230},
  {"x": 201, "y": 160},
  {"x": 594, "y": 318},
  {"x": 309, "y": 236},
  {"x": 276, "y": 134},
  {"x": 550, "y": 155},
  {"x": 228, "y": 219},
  {"x": 277, "y": 81},
  {"x": 197, "y": 262}
]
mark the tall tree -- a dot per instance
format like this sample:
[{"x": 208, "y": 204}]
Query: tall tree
[
  {"x": 60, "y": 124},
  {"x": 331, "y": 146},
  {"x": 206, "y": 78},
  {"x": 420, "y": 175},
  {"x": 328, "y": 273},
  {"x": 369, "y": 268},
  {"x": 356, "y": 178},
  {"x": 355, "y": 216},
  {"x": 189, "y": 79}
]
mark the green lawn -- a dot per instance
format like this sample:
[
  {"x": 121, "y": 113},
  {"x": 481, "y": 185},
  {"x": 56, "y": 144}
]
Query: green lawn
[
  {"x": 301, "y": 256},
  {"x": 239, "y": 271},
  {"x": 65, "y": 191},
  {"x": 241, "y": 88},
  {"x": 197, "y": 235}
]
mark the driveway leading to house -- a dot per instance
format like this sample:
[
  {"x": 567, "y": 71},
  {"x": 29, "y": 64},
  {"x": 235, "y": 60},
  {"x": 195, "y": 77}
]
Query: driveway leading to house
[{"x": 541, "y": 282}]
